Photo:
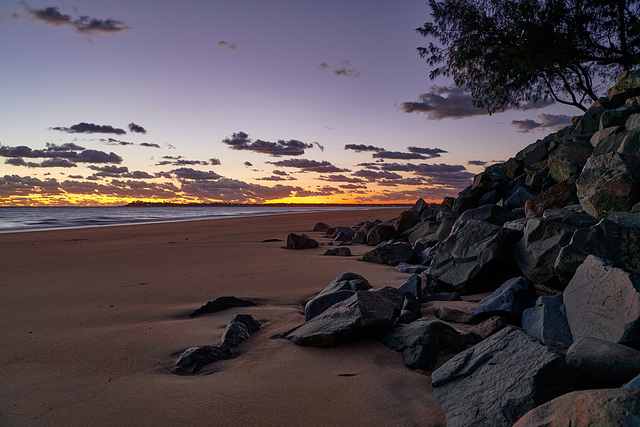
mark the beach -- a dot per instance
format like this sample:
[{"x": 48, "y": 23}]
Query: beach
[{"x": 93, "y": 320}]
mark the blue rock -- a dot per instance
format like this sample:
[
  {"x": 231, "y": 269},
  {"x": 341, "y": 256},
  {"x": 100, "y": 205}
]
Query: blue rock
[
  {"x": 509, "y": 300},
  {"x": 547, "y": 321}
]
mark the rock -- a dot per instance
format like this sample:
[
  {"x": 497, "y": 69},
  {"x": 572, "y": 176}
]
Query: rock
[
  {"x": 444, "y": 230},
  {"x": 537, "y": 251},
  {"x": 570, "y": 215},
  {"x": 547, "y": 322},
  {"x": 516, "y": 198},
  {"x": 321, "y": 226},
  {"x": 497, "y": 381},
  {"x": 222, "y": 303},
  {"x": 391, "y": 253},
  {"x": 512, "y": 167},
  {"x": 404, "y": 267},
  {"x": 509, "y": 300},
  {"x": 347, "y": 281},
  {"x": 411, "y": 305},
  {"x": 558, "y": 196},
  {"x": 568, "y": 160},
  {"x": 239, "y": 328},
  {"x": 476, "y": 256},
  {"x": 419, "y": 206},
  {"x": 492, "y": 214},
  {"x": 406, "y": 220},
  {"x": 423, "y": 341},
  {"x": 613, "y": 240},
  {"x": 449, "y": 296},
  {"x": 609, "y": 182},
  {"x": 413, "y": 287},
  {"x": 300, "y": 241},
  {"x": 590, "y": 121},
  {"x": 362, "y": 314},
  {"x": 425, "y": 229},
  {"x": 456, "y": 316},
  {"x": 381, "y": 233},
  {"x": 634, "y": 383},
  {"x": 338, "y": 252},
  {"x": 617, "y": 407},
  {"x": 517, "y": 224},
  {"x": 487, "y": 328},
  {"x": 321, "y": 303},
  {"x": 603, "y": 301},
  {"x": 533, "y": 153},
  {"x": 603, "y": 364}
]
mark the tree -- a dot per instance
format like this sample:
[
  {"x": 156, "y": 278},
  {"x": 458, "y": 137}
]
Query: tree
[{"x": 509, "y": 52}]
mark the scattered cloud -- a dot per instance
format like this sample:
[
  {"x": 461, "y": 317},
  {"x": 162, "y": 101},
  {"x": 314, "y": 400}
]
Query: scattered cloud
[
  {"x": 70, "y": 152},
  {"x": 340, "y": 178},
  {"x": 477, "y": 163},
  {"x": 344, "y": 69},
  {"x": 82, "y": 24},
  {"x": 398, "y": 155},
  {"x": 136, "y": 128},
  {"x": 370, "y": 175},
  {"x": 227, "y": 45},
  {"x": 248, "y": 164},
  {"x": 323, "y": 66},
  {"x": 361, "y": 147},
  {"x": 429, "y": 152},
  {"x": 90, "y": 128},
  {"x": 353, "y": 186},
  {"x": 236, "y": 191},
  {"x": 112, "y": 141},
  {"x": 552, "y": 122},
  {"x": 309, "y": 165},
  {"x": 241, "y": 141},
  {"x": 317, "y": 144},
  {"x": 188, "y": 173},
  {"x": 149, "y": 145},
  {"x": 277, "y": 178},
  {"x": 450, "y": 102},
  {"x": 181, "y": 161}
]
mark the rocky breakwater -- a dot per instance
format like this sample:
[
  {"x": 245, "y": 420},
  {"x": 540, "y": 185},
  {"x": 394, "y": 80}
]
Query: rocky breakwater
[{"x": 552, "y": 236}]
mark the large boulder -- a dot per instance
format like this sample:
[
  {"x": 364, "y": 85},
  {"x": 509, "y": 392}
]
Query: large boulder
[
  {"x": 533, "y": 153},
  {"x": 340, "y": 289},
  {"x": 391, "y": 253},
  {"x": 477, "y": 256},
  {"x": 500, "y": 379},
  {"x": 603, "y": 364},
  {"x": 558, "y": 196},
  {"x": 547, "y": 322},
  {"x": 422, "y": 230},
  {"x": 362, "y": 314},
  {"x": 423, "y": 341},
  {"x": 615, "y": 238},
  {"x": 608, "y": 407},
  {"x": 603, "y": 301},
  {"x": 509, "y": 300},
  {"x": 406, "y": 220},
  {"x": 300, "y": 241},
  {"x": 381, "y": 233},
  {"x": 609, "y": 182},
  {"x": 490, "y": 213},
  {"x": 569, "y": 159}
]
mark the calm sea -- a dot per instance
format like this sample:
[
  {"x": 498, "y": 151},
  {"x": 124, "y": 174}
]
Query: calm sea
[{"x": 42, "y": 218}]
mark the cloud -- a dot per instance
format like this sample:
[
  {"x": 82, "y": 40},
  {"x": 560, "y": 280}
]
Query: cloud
[
  {"x": 323, "y": 66},
  {"x": 248, "y": 164},
  {"x": 214, "y": 162},
  {"x": 320, "y": 191},
  {"x": 181, "y": 161},
  {"x": 352, "y": 186},
  {"x": 317, "y": 144},
  {"x": 398, "y": 155},
  {"x": 112, "y": 141},
  {"x": 188, "y": 173},
  {"x": 552, "y": 122},
  {"x": 95, "y": 156},
  {"x": 15, "y": 185},
  {"x": 361, "y": 147},
  {"x": 69, "y": 146},
  {"x": 449, "y": 176},
  {"x": 370, "y": 175},
  {"x": 401, "y": 181},
  {"x": 57, "y": 151},
  {"x": 136, "y": 128},
  {"x": 49, "y": 163},
  {"x": 83, "y": 24},
  {"x": 227, "y": 45},
  {"x": 149, "y": 144},
  {"x": 241, "y": 141},
  {"x": 429, "y": 152},
  {"x": 339, "y": 178},
  {"x": 345, "y": 69},
  {"x": 232, "y": 190},
  {"x": 277, "y": 178},
  {"x": 477, "y": 162},
  {"x": 309, "y": 165},
  {"x": 90, "y": 128}
]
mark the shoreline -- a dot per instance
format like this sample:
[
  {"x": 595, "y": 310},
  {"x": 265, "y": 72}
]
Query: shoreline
[{"x": 94, "y": 319}]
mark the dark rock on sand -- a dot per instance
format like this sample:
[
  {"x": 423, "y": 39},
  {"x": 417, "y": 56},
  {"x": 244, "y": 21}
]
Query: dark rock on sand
[
  {"x": 404, "y": 267},
  {"x": 321, "y": 226},
  {"x": 341, "y": 288},
  {"x": 222, "y": 303},
  {"x": 391, "y": 253},
  {"x": 342, "y": 251},
  {"x": 603, "y": 364},
  {"x": 613, "y": 407},
  {"x": 363, "y": 314},
  {"x": 381, "y": 233},
  {"x": 422, "y": 342},
  {"x": 499, "y": 380},
  {"x": 239, "y": 328},
  {"x": 300, "y": 241},
  {"x": 509, "y": 300},
  {"x": 413, "y": 287},
  {"x": 547, "y": 321}
]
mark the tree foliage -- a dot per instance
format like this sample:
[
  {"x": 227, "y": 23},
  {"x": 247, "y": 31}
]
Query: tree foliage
[{"x": 509, "y": 52}]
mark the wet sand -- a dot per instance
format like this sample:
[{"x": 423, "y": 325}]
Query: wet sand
[{"x": 92, "y": 321}]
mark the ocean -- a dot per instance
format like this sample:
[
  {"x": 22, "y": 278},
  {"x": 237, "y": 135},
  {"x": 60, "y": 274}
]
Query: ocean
[{"x": 13, "y": 219}]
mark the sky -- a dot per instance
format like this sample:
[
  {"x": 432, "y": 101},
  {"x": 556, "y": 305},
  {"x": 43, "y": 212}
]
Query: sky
[{"x": 105, "y": 102}]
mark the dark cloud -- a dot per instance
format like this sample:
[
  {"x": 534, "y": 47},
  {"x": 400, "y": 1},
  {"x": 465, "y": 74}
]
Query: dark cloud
[
  {"x": 309, "y": 165},
  {"x": 90, "y": 128},
  {"x": 241, "y": 141},
  {"x": 57, "y": 163},
  {"x": 552, "y": 122},
  {"x": 248, "y": 164},
  {"x": 323, "y": 66},
  {"x": 317, "y": 144},
  {"x": 14, "y": 185},
  {"x": 340, "y": 178},
  {"x": 111, "y": 141},
  {"x": 188, "y": 173},
  {"x": 56, "y": 151},
  {"x": 227, "y": 45},
  {"x": 401, "y": 181},
  {"x": 136, "y": 128},
  {"x": 277, "y": 178},
  {"x": 69, "y": 146},
  {"x": 109, "y": 171},
  {"x": 429, "y": 152},
  {"x": 214, "y": 162},
  {"x": 181, "y": 161},
  {"x": 449, "y": 176},
  {"x": 477, "y": 162},
  {"x": 398, "y": 155},
  {"x": 82, "y": 24},
  {"x": 319, "y": 192},
  {"x": 138, "y": 175},
  {"x": 149, "y": 144},
  {"x": 281, "y": 173},
  {"x": 352, "y": 186},
  {"x": 362, "y": 147},
  {"x": 95, "y": 156},
  {"x": 232, "y": 190},
  {"x": 444, "y": 102},
  {"x": 346, "y": 70},
  {"x": 370, "y": 175}
]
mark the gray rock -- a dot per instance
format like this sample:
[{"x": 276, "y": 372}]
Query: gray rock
[
  {"x": 570, "y": 215},
  {"x": 497, "y": 381},
  {"x": 391, "y": 253},
  {"x": 603, "y": 364},
  {"x": 517, "y": 224},
  {"x": 239, "y": 328},
  {"x": 475, "y": 257},
  {"x": 424, "y": 229},
  {"x": 456, "y": 316},
  {"x": 343, "y": 234},
  {"x": 381, "y": 233},
  {"x": 634, "y": 383},
  {"x": 347, "y": 281},
  {"x": 423, "y": 341},
  {"x": 300, "y": 241},
  {"x": 609, "y": 182},
  {"x": 321, "y": 303},
  {"x": 406, "y": 220},
  {"x": 487, "y": 328},
  {"x": 492, "y": 214},
  {"x": 558, "y": 196},
  {"x": 547, "y": 322},
  {"x": 533, "y": 153},
  {"x": 444, "y": 230},
  {"x": 537, "y": 251},
  {"x": 404, "y": 267},
  {"x": 321, "y": 226},
  {"x": 338, "y": 252},
  {"x": 603, "y": 301},
  {"x": 509, "y": 300},
  {"x": 610, "y": 240},
  {"x": 617, "y": 407},
  {"x": 448, "y": 296},
  {"x": 419, "y": 206},
  {"x": 413, "y": 287},
  {"x": 364, "y": 313},
  {"x": 516, "y": 198},
  {"x": 569, "y": 159}
]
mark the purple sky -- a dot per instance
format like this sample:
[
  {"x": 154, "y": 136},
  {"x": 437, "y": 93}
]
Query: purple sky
[{"x": 236, "y": 100}]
